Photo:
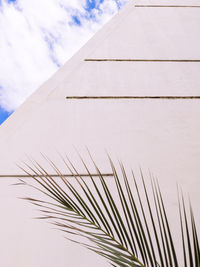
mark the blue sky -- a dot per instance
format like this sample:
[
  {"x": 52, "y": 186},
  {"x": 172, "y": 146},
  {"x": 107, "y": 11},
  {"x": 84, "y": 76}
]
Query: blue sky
[
  {"x": 38, "y": 37},
  {"x": 4, "y": 115}
]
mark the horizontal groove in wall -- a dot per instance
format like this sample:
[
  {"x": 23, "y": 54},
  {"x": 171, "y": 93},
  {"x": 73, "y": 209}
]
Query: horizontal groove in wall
[
  {"x": 179, "y": 6},
  {"x": 141, "y": 60},
  {"x": 132, "y": 97},
  {"x": 53, "y": 175}
]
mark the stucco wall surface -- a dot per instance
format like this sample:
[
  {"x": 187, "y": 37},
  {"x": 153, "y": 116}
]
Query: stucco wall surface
[{"x": 142, "y": 52}]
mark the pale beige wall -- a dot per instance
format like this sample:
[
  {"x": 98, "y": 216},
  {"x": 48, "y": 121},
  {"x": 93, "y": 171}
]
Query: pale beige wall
[{"x": 161, "y": 135}]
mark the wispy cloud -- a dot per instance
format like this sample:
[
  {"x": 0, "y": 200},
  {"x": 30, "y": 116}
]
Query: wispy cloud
[{"x": 37, "y": 37}]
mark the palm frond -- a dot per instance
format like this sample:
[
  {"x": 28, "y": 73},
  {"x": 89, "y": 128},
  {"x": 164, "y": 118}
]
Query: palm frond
[{"x": 125, "y": 224}]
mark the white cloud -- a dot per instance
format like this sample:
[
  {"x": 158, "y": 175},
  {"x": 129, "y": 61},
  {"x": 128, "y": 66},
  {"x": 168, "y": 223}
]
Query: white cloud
[{"x": 38, "y": 36}]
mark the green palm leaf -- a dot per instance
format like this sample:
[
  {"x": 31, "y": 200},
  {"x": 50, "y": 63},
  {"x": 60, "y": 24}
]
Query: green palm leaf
[{"x": 118, "y": 222}]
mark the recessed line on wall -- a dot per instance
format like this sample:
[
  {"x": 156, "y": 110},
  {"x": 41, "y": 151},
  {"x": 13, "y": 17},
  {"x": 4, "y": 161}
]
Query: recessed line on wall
[
  {"x": 176, "y": 6},
  {"x": 53, "y": 175},
  {"x": 131, "y": 97},
  {"x": 141, "y": 60}
]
